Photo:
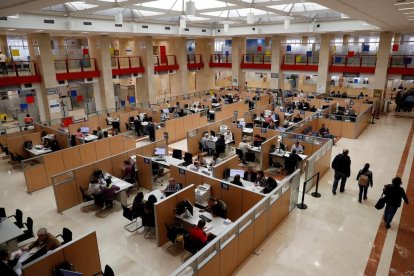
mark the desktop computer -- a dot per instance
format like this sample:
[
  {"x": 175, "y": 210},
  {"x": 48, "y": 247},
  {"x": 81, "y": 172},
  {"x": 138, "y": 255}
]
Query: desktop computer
[
  {"x": 184, "y": 207},
  {"x": 160, "y": 153},
  {"x": 84, "y": 130}
]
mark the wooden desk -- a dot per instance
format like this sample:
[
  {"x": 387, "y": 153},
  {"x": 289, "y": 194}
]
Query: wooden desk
[
  {"x": 8, "y": 233},
  {"x": 40, "y": 151}
]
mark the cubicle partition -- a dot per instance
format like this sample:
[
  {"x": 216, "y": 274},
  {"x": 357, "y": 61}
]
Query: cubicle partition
[
  {"x": 82, "y": 253},
  {"x": 38, "y": 171},
  {"x": 230, "y": 249},
  {"x": 15, "y": 143},
  {"x": 61, "y": 137},
  {"x": 250, "y": 115},
  {"x": 228, "y": 110}
]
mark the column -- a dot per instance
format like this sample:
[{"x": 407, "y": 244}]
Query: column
[
  {"x": 276, "y": 81},
  {"x": 304, "y": 40},
  {"x": 178, "y": 82},
  {"x": 99, "y": 49},
  {"x": 237, "y": 50},
  {"x": 381, "y": 67},
  {"x": 46, "y": 67},
  {"x": 325, "y": 56},
  {"x": 3, "y": 44},
  {"x": 144, "y": 88},
  {"x": 205, "y": 77},
  {"x": 345, "y": 40}
]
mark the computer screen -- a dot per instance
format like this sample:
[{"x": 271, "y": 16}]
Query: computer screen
[
  {"x": 181, "y": 206},
  {"x": 282, "y": 146},
  {"x": 188, "y": 157},
  {"x": 84, "y": 129},
  {"x": 233, "y": 172},
  {"x": 159, "y": 151},
  {"x": 166, "y": 110},
  {"x": 64, "y": 272},
  {"x": 242, "y": 124}
]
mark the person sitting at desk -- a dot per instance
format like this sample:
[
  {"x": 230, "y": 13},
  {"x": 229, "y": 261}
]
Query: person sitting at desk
[
  {"x": 201, "y": 160},
  {"x": 46, "y": 142},
  {"x": 344, "y": 95},
  {"x": 216, "y": 160},
  {"x": 197, "y": 233},
  {"x": 164, "y": 116},
  {"x": 172, "y": 187},
  {"x": 305, "y": 105},
  {"x": 250, "y": 175},
  {"x": 149, "y": 216},
  {"x": 128, "y": 172},
  {"x": 108, "y": 119},
  {"x": 313, "y": 109},
  {"x": 194, "y": 167},
  {"x": 79, "y": 134},
  {"x": 350, "y": 111},
  {"x": 204, "y": 141},
  {"x": 300, "y": 105},
  {"x": 228, "y": 136},
  {"x": 275, "y": 117},
  {"x": 361, "y": 95},
  {"x": 99, "y": 133},
  {"x": 108, "y": 192},
  {"x": 291, "y": 162},
  {"x": 244, "y": 146},
  {"x": 44, "y": 238},
  {"x": 260, "y": 179},
  {"x": 28, "y": 120},
  {"x": 6, "y": 265},
  {"x": 297, "y": 147},
  {"x": 237, "y": 181},
  {"x": 94, "y": 188},
  {"x": 268, "y": 119},
  {"x": 146, "y": 118},
  {"x": 297, "y": 118},
  {"x": 236, "y": 98},
  {"x": 324, "y": 132},
  {"x": 271, "y": 125},
  {"x": 216, "y": 207}
]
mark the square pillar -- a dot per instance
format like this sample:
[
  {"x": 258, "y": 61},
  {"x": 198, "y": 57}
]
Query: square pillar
[
  {"x": 237, "y": 50},
  {"x": 381, "y": 67},
  {"x": 99, "y": 49},
  {"x": 179, "y": 82},
  {"x": 325, "y": 56},
  {"x": 205, "y": 77},
  {"x": 277, "y": 59},
  {"x": 144, "y": 87}
]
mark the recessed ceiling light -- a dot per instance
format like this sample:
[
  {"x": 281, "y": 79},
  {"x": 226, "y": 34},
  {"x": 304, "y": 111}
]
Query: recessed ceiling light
[
  {"x": 11, "y": 29},
  {"x": 404, "y": 3},
  {"x": 412, "y": 8},
  {"x": 84, "y": 32}
]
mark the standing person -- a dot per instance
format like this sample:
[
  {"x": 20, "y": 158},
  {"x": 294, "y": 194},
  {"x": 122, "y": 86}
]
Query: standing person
[
  {"x": 393, "y": 194},
  {"x": 342, "y": 166},
  {"x": 3, "y": 66},
  {"x": 364, "y": 178},
  {"x": 151, "y": 130}
]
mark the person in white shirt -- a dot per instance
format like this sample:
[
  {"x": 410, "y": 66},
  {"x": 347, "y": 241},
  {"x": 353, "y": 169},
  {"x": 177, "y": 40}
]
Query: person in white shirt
[
  {"x": 3, "y": 59},
  {"x": 94, "y": 188},
  {"x": 228, "y": 136},
  {"x": 297, "y": 147},
  {"x": 164, "y": 116},
  {"x": 204, "y": 141},
  {"x": 243, "y": 146},
  {"x": 194, "y": 167}
]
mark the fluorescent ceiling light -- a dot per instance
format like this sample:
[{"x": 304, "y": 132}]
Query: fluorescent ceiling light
[
  {"x": 408, "y": 12},
  {"x": 403, "y": 3},
  {"x": 412, "y": 8}
]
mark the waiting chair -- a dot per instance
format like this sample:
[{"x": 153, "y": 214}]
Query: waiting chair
[
  {"x": 66, "y": 235},
  {"x": 174, "y": 231},
  {"x": 18, "y": 216},
  {"x": 128, "y": 214},
  {"x": 2, "y": 213},
  {"x": 177, "y": 154},
  {"x": 148, "y": 220},
  {"x": 28, "y": 233}
]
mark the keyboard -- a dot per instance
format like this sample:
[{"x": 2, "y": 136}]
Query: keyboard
[
  {"x": 185, "y": 164},
  {"x": 160, "y": 159},
  {"x": 206, "y": 173},
  {"x": 206, "y": 219}
]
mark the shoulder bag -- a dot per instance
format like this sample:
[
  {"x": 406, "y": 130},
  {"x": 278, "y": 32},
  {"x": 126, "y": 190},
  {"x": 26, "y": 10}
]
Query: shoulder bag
[{"x": 381, "y": 202}]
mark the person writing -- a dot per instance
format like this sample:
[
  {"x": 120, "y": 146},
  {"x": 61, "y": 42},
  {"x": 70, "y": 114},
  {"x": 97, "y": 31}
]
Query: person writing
[
  {"x": 46, "y": 239},
  {"x": 99, "y": 133},
  {"x": 216, "y": 207},
  {"x": 297, "y": 147},
  {"x": 197, "y": 233},
  {"x": 260, "y": 179}
]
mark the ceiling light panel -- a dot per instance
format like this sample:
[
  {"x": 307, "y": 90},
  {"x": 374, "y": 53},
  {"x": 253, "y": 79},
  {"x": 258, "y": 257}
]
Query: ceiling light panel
[
  {"x": 177, "y": 5},
  {"x": 237, "y": 13}
]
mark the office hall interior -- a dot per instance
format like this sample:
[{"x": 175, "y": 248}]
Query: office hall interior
[{"x": 215, "y": 137}]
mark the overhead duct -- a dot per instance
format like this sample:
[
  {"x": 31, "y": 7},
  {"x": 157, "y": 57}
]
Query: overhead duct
[{"x": 190, "y": 8}]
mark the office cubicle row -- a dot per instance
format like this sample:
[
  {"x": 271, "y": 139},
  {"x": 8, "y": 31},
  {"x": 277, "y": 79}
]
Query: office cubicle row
[
  {"x": 38, "y": 171},
  {"x": 82, "y": 253},
  {"x": 224, "y": 254}
]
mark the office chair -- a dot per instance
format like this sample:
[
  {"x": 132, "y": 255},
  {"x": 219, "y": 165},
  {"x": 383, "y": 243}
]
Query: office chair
[
  {"x": 2, "y": 212},
  {"x": 188, "y": 158},
  {"x": 240, "y": 153},
  {"x": 148, "y": 220},
  {"x": 72, "y": 140},
  {"x": 95, "y": 132},
  {"x": 28, "y": 233},
  {"x": 18, "y": 217},
  {"x": 265, "y": 125},
  {"x": 157, "y": 171},
  {"x": 105, "y": 133},
  {"x": 87, "y": 200},
  {"x": 191, "y": 245},
  {"x": 174, "y": 231},
  {"x": 129, "y": 215},
  {"x": 177, "y": 154},
  {"x": 66, "y": 235}
]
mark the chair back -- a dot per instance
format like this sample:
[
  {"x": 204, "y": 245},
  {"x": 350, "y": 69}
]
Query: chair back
[
  {"x": 108, "y": 271},
  {"x": 19, "y": 217},
  {"x": 239, "y": 152},
  {"x": 177, "y": 154},
  {"x": 188, "y": 157},
  {"x": 66, "y": 235},
  {"x": 2, "y": 212},
  {"x": 83, "y": 194},
  {"x": 29, "y": 225},
  {"x": 127, "y": 213},
  {"x": 191, "y": 245},
  {"x": 220, "y": 148}
]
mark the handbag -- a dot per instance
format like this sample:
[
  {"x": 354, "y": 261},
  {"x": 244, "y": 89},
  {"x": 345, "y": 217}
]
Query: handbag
[{"x": 381, "y": 202}]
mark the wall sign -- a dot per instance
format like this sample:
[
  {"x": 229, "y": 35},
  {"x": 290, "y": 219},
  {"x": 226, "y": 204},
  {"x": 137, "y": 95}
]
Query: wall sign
[
  {"x": 224, "y": 186},
  {"x": 181, "y": 171},
  {"x": 274, "y": 75},
  {"x": 147, "y": 160}
]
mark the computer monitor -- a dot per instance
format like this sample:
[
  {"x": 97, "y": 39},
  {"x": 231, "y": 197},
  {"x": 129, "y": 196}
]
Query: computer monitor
[
  {"x": 282, "y": 146},
  {"x": 166, "y": 110},
  {"x": 181, "y": 206},
  {"x": 63, "y": 272},
  {"x": 188, "y": 157},
  {"x": 234, "y": 172},
  {"x": 242, "y": 124},
  {"x": 159, "y": 151},
  {"x": 341, "y": 108},
  {"x": 257, "y": 143},
  {"x": 84, "y": 129}
]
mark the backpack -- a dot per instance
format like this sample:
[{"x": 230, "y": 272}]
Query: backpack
[{"x": 363, "y": 180}]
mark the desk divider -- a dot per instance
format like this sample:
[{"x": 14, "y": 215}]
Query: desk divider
[
  {"x": 144, "y": 165},
  {"x": 164, "y": 211},
  {"x": 82, "y": 253},
  {"x": 237, "y": 133},
  {"x": 265, "y": 152}
]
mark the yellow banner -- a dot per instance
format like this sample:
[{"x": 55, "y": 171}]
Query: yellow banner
[
  {"x": 15, "y": 52},
  {"x": 298, "y": 59}
]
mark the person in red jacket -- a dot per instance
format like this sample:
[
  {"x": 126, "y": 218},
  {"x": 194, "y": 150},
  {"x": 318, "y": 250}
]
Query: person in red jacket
[
  {"x": 108, "y": 192},
  {"x": 198, "y": 234}
]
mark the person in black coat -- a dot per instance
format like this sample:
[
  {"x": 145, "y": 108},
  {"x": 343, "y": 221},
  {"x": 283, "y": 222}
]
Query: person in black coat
[
  {"x": 237, "y": 180},
  {"x": 6, "y": 266},
  {"x": 291, "y": 162},
  {"x": 393, "y": 195},
  {"x": 342, "y": 166},
  {"x": 151, "y": 130}
]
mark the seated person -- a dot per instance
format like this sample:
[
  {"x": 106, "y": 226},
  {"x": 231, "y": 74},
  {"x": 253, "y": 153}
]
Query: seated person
[
  {"x": 28, "y": 120},
  {"x": 271, "y": 184},
  {"x": 350, "y": 111},
  {"x": 79, "y": 134},
  {"x": 148, "y": 217},
  {"x": 271, "y": 125},
  {"x": 313, "y": 109},
  {"x": 128, "y": 172},
  {"x": 244, "y": 146},
  {"x": 306, "y": 105},
  {"x": 257, "y": 140},
  {"x": 216, "y": 160},
  {"x": 108, "y": 192},
  {"x": 260, "y": 179},
  {"x": 204, "y": 141},
  {"x": 108, "y": 119},
  {"x": 197, "y": 232},
  {"x": 361, "y": 95},
  {"x": 216, "y": 207},
  {"x": 344, "y": 95},
  {"x": 98, "y": 175},
  {"x": 297, "y": 118},
  {"x": 297, "y": 147},
  {"x": 291, "y": 162},
  {"x": 6, "y": 265},
  {"x": 172, "y": 187},
  {"x": 164, "y": 116},
  {"x": 44, "y": 238},
  {"x": 94, "y": 188},
  {"x": 275, "y": 117},
  {"x": 138, "y": 204},
  {"x": 201, "y": 160},
  {"x": 228, "y": 136},
  {"x": 194, "y": 167},
  {"x": 324, "y": 132},
  {"x": 46, "y": 143},
  {"x": 237, "y": 181},
  {"x": 250, "y": 175},
  {"x": 99, "y": 133}
]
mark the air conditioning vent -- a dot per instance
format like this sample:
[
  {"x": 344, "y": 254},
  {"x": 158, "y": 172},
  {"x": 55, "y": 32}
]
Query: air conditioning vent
[
  {"x": 167, "y": 28},
  {"x": 87, "y": 23},
  {"x": 144, "y": 26},
  {"x": 49, "y": 21},
  {"x": 118, "y": 25},
  {"x": 61, "y": 82},
  {"x": 187, "y": 29}
]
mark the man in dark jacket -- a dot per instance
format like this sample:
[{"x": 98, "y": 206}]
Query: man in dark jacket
[
  {"x": 393, "y": 195},
  {"x": 291, "y": 162},
  {"x": 342, "y": 166}
]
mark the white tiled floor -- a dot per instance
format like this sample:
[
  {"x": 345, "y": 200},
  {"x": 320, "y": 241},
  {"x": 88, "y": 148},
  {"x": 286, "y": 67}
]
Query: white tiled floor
[{"x": 332, "y": 237}]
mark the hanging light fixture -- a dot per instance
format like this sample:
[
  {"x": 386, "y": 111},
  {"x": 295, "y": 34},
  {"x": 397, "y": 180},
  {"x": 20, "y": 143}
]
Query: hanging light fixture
[
  {"x": 118, "y": 18},
  {"x": 183, "y": 22},
  {"x": 286, "y": 23},
  {"x": 226, "y": 27},
  {"x": 250, "y": 18},
  {"x": 190, "y": 8}
]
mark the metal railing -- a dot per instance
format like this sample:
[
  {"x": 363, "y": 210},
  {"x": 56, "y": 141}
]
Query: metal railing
[
  {"x": 354, "y": 61},
  {"x": 165, "y": 60},
  {"x": 194, "y": 59},
  {"x": 19, "y": 69},
  {"x": 75, "y": 65},
  {"x": 401, "y": 61},
  {"x": 220, "y": 58},
  {"x": 256, "y": 59},
  {"x": 126, "y": 62},
  {"x": 301, "y": 59}
]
